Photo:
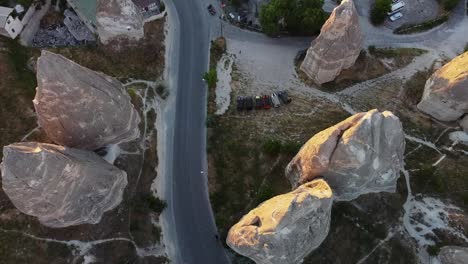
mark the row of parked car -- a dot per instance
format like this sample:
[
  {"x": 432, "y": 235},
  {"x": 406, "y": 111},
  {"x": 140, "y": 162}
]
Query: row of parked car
[{"x": 262, "y": 101}]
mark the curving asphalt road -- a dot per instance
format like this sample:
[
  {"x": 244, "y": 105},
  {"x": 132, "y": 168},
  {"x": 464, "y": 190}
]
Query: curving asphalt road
[{"x": 190, "y": 219}]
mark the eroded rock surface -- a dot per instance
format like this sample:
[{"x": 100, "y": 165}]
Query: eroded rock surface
[
  {"x": 362, "y": 154},
  {"x": 117, "y": 19},
  {"x": 453, "y": 255},
  {"x": 446, "y": 92},
  {"x": 337, "y": 47},
  {"x": 285, "y": 228},
  {"x": 60, "y": 186},
  {"x": 80, "y": 108},
  {"x": 464, "y": 123}
]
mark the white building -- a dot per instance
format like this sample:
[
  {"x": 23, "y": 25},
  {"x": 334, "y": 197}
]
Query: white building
[{"x": 9, "y": 26}]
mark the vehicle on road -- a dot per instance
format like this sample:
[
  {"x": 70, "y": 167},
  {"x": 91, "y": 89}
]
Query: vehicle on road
[
  {"x": 258, "y": 102},
  {"x": 212, "y": 10},
  {"x": 275, "y": 100},
  {"x": 283, "y": 96},
  {"x": 396, "y": 16},
  {"x": 240, "y": 103},
  {"x": 249, "y": 103},
  {"x": 266, "y": 102},
  {"x": 395, "y": 8}
]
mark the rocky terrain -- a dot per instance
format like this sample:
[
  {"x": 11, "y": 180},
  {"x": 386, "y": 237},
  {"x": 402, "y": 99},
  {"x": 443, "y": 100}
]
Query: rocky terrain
[
  {"x": 337, "y": 47},
  {"x": 360, "y": 155},
  {"x": 103, "y": 114},
  {"x": 453, "y": 255},
  {"x": 285, "y": 228},
  {"x": 446, "y": 92},
  {"x": 118, "y": 19},
  {"x": 60, "y": 186}
]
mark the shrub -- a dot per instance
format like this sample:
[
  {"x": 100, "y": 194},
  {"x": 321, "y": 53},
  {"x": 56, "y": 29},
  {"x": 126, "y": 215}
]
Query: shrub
[
  {"x": 272, "y": 146},
  {"x": 211, "y": 78},
  {"x": 449, "y": 4},
  {"x": 154, "y": 203},
  {"x": 291, "y": 147},
  {"x": 379, "y": 11},
  {"x": 162, "y": 91}
]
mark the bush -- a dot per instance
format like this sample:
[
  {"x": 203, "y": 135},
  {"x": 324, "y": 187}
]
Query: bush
[
  {"x": 298, "y": 17},
  {"x": 154, "y": 203},
  {"x": 379, "y": 11},
  {"x": 162, "y": 91},
  {"x": 211, "y": 78},
  {"x": 449, "y": 4},
  {"x": 272, "y": 146}
]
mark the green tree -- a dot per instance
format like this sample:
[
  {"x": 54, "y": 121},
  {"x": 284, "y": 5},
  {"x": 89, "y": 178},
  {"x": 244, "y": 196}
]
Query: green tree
[
  {"x": 211, "y": 78},
  {"x": 379, "y": 11},
  {"x": 298, "y": 17}
]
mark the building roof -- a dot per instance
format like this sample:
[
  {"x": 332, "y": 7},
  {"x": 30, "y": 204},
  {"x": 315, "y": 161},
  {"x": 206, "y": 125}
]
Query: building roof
[
  {"x": 4, "y": 13},
  {"x": 86, "y": 8}
]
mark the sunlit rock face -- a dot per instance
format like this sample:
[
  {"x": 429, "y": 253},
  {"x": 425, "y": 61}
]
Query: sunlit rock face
[
  {"x": 60, "y": 186},
  {"x": 117, "y": 19},
  {"x": 80, "y": 108},
  {"x": 337, "y": 47},
  {"x": 362, "y": 154},
  {"x": 285, "y": 228},
  {"x": 446, "y": 92},
  {"x": 453, "y": 255},
  {"x": 464, "y": 123}
]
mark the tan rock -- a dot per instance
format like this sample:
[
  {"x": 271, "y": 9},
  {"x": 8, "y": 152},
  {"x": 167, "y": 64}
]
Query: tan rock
[
  {"x": 285, "y": 228},
  {"x": 453, "y": 255},
  {"x": 337, "y": 47},
  {"x": 80, "y": 108},
  {"x": 446, "y": 92},
  {"x": 359, "y": 155}
]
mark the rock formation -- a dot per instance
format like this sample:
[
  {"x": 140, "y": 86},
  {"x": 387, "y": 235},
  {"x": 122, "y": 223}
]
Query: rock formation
[
  {"x": 117, "y": 19},
  {"x": 80, "y": 108},
  {"x": 359, "y": 155},
  {"x": 446, "y": 92},
  {"x": 453, "y": 255},
  {"x": 285, "y": 228},
  {"x": 60, "y": 186},
  {"x": 337, "y": 47},
  {"x": 464, "y": 123}
]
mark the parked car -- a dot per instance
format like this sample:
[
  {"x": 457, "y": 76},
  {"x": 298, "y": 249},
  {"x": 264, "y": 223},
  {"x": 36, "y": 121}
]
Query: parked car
[
  {"x": 275, "y": 100},
  {"x": 396, "y": 16},
  {"x": 283, "y": 96},
  {"x": 266, "y": 102},
  {"x": 249, "y": 103},
  {"x": 240, "y": 103},
  {"x": 258, "y": 102},
  {"x": 212, "y": 10}
]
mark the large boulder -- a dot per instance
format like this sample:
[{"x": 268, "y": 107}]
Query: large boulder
[
  {"x": 285, "y": 228},
  {"x": 118, "y": 19},
  {"x": 337, "y": 47},
  {"x": 453, "y": 255},
  {"x": 446, "y": 92},
  {"x": 80, "y": 108},
  {"x": 60, "y": 186},
  {"x": 362, "y": 154}
]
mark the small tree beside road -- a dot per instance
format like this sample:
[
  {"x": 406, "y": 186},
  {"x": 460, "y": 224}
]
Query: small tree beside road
[{"x": 379, "y": 11}]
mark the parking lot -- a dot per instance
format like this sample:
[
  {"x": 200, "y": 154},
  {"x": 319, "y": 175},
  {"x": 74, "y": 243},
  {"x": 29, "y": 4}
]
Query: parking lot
[{"x": 414, "y": 12}]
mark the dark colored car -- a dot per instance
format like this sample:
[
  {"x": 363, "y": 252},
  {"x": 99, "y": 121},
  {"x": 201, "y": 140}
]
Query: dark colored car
[
  {"x": 283, "y": 96},
  {"x": 266, "y": 102},
  {"x": 258, "y": 102},
  {"x": 240, "y": 103},
  {"x": 212, "y": 10},
  {"x": 249, "y": 103}
]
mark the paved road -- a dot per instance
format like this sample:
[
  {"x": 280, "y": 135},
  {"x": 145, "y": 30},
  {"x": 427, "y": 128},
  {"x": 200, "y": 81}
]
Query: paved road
[{"x": 190, "y": 220}]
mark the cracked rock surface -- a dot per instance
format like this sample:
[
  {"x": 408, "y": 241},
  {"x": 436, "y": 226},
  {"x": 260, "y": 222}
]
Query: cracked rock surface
[
  {"x": 60, "y": 186},
  {"x": 285, "y": 228},
  {"x": 453, "y": 255},
  {"x": 81, "y": 108},
  {"x": 362, "y": 154},
  {"x": 446, "y": 91},
  {"x": 337, "y": 47},
  {"x": 117, "y": 19}
]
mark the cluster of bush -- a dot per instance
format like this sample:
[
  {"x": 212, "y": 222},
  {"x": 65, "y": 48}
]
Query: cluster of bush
[{"x": 297, "y": 17}]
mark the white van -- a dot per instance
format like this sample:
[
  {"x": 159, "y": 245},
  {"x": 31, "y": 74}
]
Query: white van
[{"x": 395, "y": 8}]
